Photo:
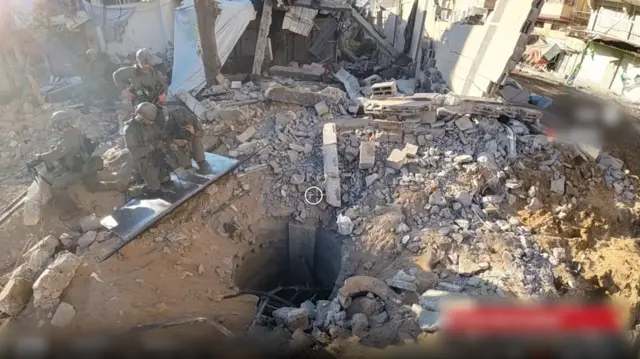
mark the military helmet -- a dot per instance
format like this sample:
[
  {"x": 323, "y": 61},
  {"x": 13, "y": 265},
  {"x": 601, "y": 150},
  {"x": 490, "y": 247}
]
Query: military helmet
[
  {"x": 144, "y": 57},
  {"x": 91, "y": 53},
  {"x": 62, "y": 118},
  {"x": 147, "y": 110}
]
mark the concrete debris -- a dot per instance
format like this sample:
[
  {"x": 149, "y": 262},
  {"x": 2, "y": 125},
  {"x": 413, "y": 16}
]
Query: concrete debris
[
  {"x": 15, "y": 295},
  {"x": 378, "y": 319},
  {"x": 437, "y": 198},
  {"x": 300, "y": 342},
  {"x": 534, "y": 205},
  {"x": 362, "y": 284},
  {"x": 350, "y": 83},
  {"x": 64, "y": 315},
  {"x": 396, "y": 159},
  {"x": 359, "y": 324},
  {"x": 462, "y": 159},
  {"x": 89, "y": 223},
  {"x": 345, "y": 225},
  {"x": 310, "y": 308},
  {"x": 246, "y": 135},
  {"x": 311, "y": 73},
  {"x": 321, "y": 108},
  {"x": 369, "y": 180},
  {"x": 384, "y": 89},
  {"x": 428, "y": 321},
  {"x": 293, "y": 318},
  {"x": 403, "y": 281},
  {"x": 236, "y": 85},
  {"x": 464, "y": 123},
  {"x": 54, "y": 280},
  {"x": 557, "y": 185},
  {"x": 47, "y": 244},
  {"x": 410, "y": 150},
  {"x": 432, "y": 299},
  {"x": 87, "y": 239},
  {"x": 367, "y": 155},
  {"x": 407, "y": 87},
  {"x": 303, "y": 96},
  {"x": 331, "y": 165}
]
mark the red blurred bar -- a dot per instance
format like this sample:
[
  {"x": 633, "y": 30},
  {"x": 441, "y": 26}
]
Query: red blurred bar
[{"x": 543, "y": 319}]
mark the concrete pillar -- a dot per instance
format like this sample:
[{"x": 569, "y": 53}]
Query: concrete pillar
[{"x": 263, "y": 33}]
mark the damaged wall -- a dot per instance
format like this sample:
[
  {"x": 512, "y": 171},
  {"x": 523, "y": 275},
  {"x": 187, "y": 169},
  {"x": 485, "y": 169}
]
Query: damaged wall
[
  {"x": 474, "y": 58},
  {"x": 150, "y": 25}
]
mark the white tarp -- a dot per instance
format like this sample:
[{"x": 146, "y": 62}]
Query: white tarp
[{"x": 188, "y": 72}]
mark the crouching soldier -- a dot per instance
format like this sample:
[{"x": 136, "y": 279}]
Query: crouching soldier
[
  {"x": 74, "y": 154},
  {"x": 183, "y": 134},
  {"x": 142, "y": 83},
  {"x": 143, "y": 138}
]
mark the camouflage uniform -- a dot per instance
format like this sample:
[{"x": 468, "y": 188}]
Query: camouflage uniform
[
  {"x": 180, "y": 156},
  {"x": 76, "y": 165},
  {"x": 144, "y": 141},
  {"x": 145, "y": 86}
]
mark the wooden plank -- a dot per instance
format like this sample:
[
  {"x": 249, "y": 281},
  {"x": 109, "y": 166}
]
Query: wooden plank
[
  {"x": 263, "y": 33},
  {"x": 302, "y": 245}
]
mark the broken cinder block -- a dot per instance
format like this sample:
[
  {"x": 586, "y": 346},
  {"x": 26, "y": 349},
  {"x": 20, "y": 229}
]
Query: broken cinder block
[
  {"x": 367, "y": 155},
  {"x": 410, "y": 149},
  {"x": 383, "y": 89}
]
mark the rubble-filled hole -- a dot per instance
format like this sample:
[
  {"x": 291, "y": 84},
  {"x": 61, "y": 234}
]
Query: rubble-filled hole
[{"x": 270, "y": 268}]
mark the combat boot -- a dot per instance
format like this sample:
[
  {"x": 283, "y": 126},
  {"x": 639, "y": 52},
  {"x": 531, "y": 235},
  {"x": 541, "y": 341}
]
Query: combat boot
[{"x": 204, "y": 168}]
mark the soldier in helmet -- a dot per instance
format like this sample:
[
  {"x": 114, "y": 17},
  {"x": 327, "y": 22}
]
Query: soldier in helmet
[
  {"x": 97, "y": 77},
  {"x": 142, "y": 83},
  {"x": 183, "y": 135},
  {"x": 76, "y": 163},
  {"x": 143, "y": 138}
]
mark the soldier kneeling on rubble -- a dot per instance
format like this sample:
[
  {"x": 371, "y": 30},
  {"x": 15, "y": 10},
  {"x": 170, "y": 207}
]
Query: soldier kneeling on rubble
[
  {"x": 183, "y": 135},
  {"x": 143, "y": 138},
  {"x": 74, "y": 154}
]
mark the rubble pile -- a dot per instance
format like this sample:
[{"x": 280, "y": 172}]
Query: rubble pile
[{"x": 45, "y": 274}]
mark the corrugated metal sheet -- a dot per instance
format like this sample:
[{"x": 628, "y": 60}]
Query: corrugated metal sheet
[{"x": 299, "y": 20}]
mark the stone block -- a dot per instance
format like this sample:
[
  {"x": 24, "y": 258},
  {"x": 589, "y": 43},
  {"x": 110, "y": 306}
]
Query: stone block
[
  {"x": 293, "y": 318},
  {"x": 236, "y": 85},
  {"x": 329, "y": 134},
  {"x": 367, "y": 155},
  {"x": 429, "y": 117},
  {"x": 15, "y": 295},
  {"x": 384, "y": 89},
  {"x": 333, "y": 194},
  {"x": 48, "y": 244},
  {"x": 331, "y": 161},
  {"x": 89, "y": 223},
  {"x": 410, "y": 149},
  {"x": 321, "y": 108},
  {"x": 87, "y": 239},
  {"x": 396, "y": 159},
  {"x": 246, "y": 135},
  {"x": 54, "y": 280},
  {"x": 464, "y": 123},
  {"x": 63, "y": 315}
]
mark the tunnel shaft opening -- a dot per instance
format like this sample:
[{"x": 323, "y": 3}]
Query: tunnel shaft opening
[{"x": 294, "y": 262}]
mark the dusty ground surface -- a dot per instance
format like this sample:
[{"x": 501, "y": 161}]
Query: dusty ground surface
[{"x": 185, "y": 264}]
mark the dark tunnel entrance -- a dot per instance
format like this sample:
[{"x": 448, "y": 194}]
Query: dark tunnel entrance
[{"x": 296, "y": 263}]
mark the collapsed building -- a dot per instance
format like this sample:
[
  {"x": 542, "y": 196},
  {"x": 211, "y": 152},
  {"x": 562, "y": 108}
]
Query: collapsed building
[{"x": 428, "y": 190}]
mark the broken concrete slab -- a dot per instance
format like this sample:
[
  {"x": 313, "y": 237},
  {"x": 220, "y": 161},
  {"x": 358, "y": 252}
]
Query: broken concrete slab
[
  {"x": 15, "y": 295},
  {"x": 246, "y": 135},
  {"x": 48, "y": 244},
  {"x": 464, "y": 123},
  {"x": 311, "y": 73},
  {"x": 54, "y": 280},
  {"x": 193, "y": 104},
  {"x": 321, "y": 108},
  {"x": 396, "y": 159},
  {"x": 331, "y": 165},
  {"x": 410, "y": 149},
  {"x": 303, "y": 96},
  {"x": 407, "y": 87},
  {"x": 367, "y": 155},
  {"x": 432, "y": 299},
  {"x": 89, "y": 223},
  {"x": 557, "y": 185},
  {"x": 350, "y": 83},
  {"x": 362, "y": 284},
  {"x": 87, "y": 239},
  {"x": 293, "y": 318},
  {"x": 64, "y": 315}
]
